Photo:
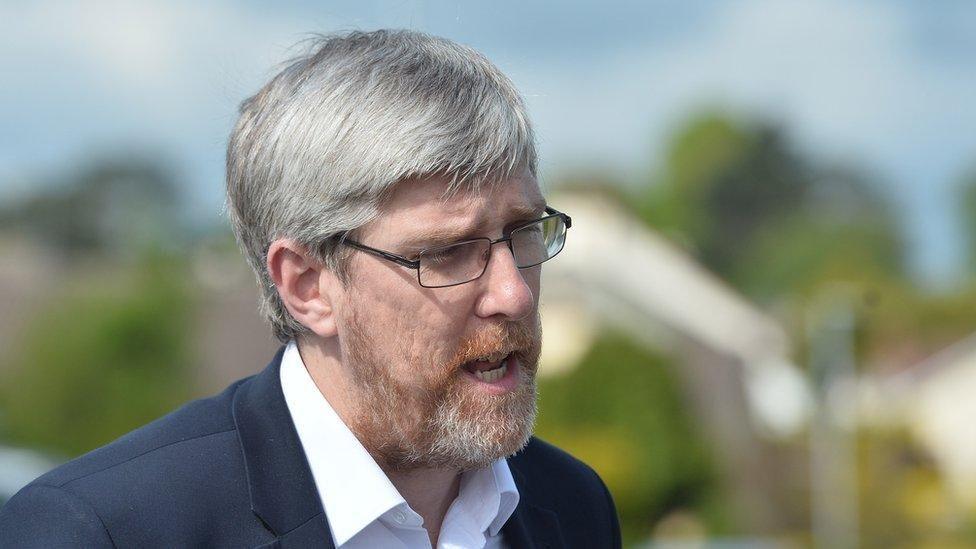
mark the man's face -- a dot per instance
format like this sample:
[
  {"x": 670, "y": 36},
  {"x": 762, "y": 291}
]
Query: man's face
[{"x": 415, "y": 353}]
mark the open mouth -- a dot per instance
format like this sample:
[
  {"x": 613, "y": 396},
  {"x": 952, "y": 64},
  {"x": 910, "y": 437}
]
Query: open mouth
[{"x": 490, "y": 368}]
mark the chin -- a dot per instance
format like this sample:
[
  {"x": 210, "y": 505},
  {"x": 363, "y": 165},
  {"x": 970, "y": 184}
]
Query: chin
[
  {"x": 467, "y": 430},
  {"x": 479, "y": 430}
]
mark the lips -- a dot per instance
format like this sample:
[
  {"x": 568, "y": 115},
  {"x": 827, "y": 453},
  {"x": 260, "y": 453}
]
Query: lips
[
  {"x": 487, "y": 362},
  {"x": 494, "y": 374}
]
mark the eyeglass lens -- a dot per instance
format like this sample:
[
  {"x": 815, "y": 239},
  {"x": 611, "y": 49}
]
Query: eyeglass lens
[{"x": 463, "y": 262}]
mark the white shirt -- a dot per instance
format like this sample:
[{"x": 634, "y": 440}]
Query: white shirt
[{"x": 363, "y": 507}]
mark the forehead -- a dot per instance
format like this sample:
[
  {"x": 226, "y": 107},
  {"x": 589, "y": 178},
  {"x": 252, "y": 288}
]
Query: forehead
[{"x": 423, "y": 201}]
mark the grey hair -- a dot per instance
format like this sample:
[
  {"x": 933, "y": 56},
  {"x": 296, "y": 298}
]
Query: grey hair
[{"x": 318, "y": 148}]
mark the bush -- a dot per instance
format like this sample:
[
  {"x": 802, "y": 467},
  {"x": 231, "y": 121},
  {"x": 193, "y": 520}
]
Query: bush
[
  {"x": 621, "y": 412},
  {"x": 100, "y": 362}
]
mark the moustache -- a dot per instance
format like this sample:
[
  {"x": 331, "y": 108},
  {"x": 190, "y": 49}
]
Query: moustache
[{"x": 522, "y": 339}]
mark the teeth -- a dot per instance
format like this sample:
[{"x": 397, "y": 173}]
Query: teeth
[{"x": 492, "y": 375}]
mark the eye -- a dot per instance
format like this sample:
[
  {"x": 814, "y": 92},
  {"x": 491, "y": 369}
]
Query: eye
[{"x": 441, "y": 255}]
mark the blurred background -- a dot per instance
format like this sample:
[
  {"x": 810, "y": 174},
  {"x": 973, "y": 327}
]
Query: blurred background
[{"x": 762, "y": 332}]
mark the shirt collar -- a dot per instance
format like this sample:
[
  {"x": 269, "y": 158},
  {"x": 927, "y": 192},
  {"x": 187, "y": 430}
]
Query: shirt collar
[
  {"x": 508, "y": 495},
  {"x": 354, "y": 490},
  {"x": 488, "y": 496}
]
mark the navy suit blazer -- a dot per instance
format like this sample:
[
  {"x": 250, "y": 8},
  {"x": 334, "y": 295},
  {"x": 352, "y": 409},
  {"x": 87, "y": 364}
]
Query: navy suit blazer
[{"x": 229, "y": 471}]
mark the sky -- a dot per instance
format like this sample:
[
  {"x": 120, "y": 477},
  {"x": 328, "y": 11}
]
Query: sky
[{"x": 884, "y": 85}]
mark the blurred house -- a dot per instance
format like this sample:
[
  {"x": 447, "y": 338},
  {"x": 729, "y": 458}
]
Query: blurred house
[
  {"x": 734, "y": 360},
  {"x": 935, "y": 400}
]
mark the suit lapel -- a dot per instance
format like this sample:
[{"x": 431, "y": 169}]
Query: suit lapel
[
  {"x": 314, "y": 533},
  {"x": 531, "y": 526},
  {"x": 283, "y": 493}
]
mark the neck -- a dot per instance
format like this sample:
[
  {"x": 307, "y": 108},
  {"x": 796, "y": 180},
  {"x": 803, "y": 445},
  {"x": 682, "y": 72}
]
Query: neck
[
  {"x": 322, "y": 362},
  {"x": 429, "y": 492}
]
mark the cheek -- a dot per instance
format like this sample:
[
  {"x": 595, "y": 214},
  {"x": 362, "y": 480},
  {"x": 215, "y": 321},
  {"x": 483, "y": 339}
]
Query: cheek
[
  {"x": 429, "y": 332},
  {"x": 420, "y": 332},
  {"x": 412, "y": 326}
]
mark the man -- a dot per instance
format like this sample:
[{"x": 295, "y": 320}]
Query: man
[{"x": 383, "y": 190}]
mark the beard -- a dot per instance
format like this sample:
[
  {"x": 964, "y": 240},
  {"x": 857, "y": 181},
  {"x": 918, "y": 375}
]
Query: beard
[{"x": 440, "y": 419}]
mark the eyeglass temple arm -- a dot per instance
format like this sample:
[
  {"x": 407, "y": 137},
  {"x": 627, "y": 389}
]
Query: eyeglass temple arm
[
  {"x": 398, "y": 259},
  {"x": 553, "y": 211}
]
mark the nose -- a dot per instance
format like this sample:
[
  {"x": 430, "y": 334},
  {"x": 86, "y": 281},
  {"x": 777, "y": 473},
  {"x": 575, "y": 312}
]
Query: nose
[{"x": 505, "y": 290}]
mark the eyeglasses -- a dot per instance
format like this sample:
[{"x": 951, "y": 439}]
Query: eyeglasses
[{"x": 531, "y": 244}]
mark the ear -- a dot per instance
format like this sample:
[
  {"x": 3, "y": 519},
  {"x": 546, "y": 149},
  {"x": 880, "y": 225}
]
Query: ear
[{"x": 304, "y": 286}]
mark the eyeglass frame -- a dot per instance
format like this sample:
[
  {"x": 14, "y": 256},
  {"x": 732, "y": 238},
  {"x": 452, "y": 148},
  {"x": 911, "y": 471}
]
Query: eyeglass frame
[{"x": 506, "y": 237}]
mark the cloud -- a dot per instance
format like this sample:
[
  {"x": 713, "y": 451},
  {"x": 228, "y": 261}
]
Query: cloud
[
  {"x": 877, "y": 82},
  {"x": 850, "y": 80},
  {"x": 140, "y": 45},
  {"x": 102, "y": 75},
  {"x": 842, "y": 74}
]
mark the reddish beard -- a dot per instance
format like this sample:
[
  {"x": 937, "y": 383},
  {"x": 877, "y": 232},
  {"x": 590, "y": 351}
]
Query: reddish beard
[{"x": 443, "y": 421}]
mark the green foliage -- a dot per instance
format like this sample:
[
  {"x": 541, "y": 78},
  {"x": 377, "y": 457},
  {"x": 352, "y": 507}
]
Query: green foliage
[
  {"x": 100, "y": 362},
  {"x": 903, "y": 501},
  {"x": 704, "y": 149},
  {"x": 907, "y": 322},
  {"x": 798, "y": 255},
  {"x": 723, "y": 181},
  {"x": 765, "y": 218},
  {"x": 621, "y": 412}
]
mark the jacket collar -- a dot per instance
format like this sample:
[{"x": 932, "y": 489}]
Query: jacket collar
[{"x": 283, "y": 494}]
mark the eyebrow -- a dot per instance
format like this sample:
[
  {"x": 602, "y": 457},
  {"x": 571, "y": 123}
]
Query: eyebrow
[
  {"x": 536, "y": 209},
  {"x": 446, "y": 235}
]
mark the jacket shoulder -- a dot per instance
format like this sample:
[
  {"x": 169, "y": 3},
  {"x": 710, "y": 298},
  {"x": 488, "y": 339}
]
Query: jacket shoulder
[
  {"x": 183, "y": 469},
  {"x": 194, "y": 420},
  {"x": 47, "y": 516}
]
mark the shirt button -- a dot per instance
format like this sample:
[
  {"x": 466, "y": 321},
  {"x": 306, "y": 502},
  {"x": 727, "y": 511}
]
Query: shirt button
[{"x": 399, "y": 517}]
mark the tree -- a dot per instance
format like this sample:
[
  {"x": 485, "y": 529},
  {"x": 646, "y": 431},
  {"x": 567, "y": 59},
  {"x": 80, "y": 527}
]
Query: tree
[
  {"x": 112, "y": 205},
  {"x": 99, "y": 362},
  {"x": 766, "y": 218},
  {"x": 723, "y": 181},
  {"x": 621, "y": 412}
]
